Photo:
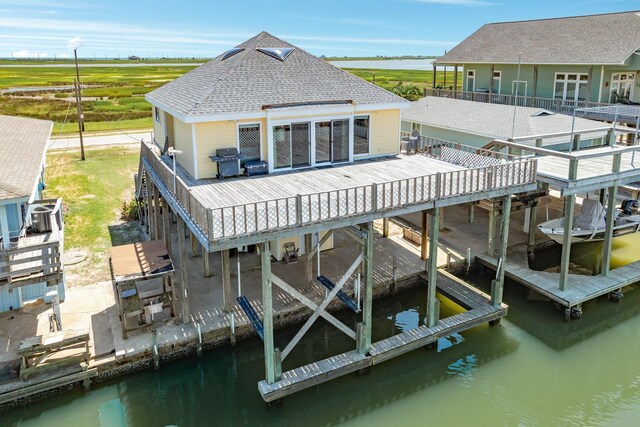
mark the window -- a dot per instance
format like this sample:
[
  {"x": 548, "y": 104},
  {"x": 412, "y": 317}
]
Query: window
[
  {"x": 497, "y": 79},
  {"x": 519, "y": 88},
  {"x": 571, "y": 86},
  {"x": 622, "y": 87},
  {"x": 156, "y": 111},
  {"x": 249, "y": 141},
  {"x": 416, "y": 126},
  {"x": 471, "y": 81},
  {"x": 291, "y": 145},
  {"x": 361, "y": 135}
]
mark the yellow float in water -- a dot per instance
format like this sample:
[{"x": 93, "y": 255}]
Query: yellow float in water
[{"x": 625, "y": 250}]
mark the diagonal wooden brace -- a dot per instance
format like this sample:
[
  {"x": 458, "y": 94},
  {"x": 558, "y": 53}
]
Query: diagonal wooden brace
[{"x": 320, "y": 309}]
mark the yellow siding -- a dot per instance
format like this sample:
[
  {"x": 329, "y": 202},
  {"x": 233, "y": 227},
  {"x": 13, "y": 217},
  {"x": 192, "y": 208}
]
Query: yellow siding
[
  {"x": 170, "y": 131},
  {"x": 277, "y": 246},
  {"x": 184, "y": 142},
  {"x": 158, "y": 127},
  {"x": 209, "y": 137},
  {"x": 385, "y": 132}
]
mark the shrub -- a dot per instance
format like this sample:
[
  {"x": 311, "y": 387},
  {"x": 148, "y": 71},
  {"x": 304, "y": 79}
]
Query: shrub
[{"x": 129, "y": 210}]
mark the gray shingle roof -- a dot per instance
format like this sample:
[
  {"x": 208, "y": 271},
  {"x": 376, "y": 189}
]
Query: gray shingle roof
[
  {"x": 490, "y": 120},
  {"x": 594, "y": 39},
  {"x": 23, "y": 143},
  {"x": 248, "y": 80}
]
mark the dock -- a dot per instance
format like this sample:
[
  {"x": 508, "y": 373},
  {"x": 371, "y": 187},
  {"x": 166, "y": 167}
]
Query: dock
[
  {"x": 479, "y": 310},
  {"x": 581, "y": 288}
]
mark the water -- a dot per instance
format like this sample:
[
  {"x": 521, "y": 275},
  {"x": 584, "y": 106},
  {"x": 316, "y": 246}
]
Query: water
[
  {"x": 533, "y": 369},
  {"x": 391, "y": 64}
]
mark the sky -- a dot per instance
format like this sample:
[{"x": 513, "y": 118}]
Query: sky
[{"x": 206, "y": 28}]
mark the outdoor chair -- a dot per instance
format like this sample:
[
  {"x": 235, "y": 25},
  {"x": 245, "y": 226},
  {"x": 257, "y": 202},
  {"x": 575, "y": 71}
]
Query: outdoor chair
[{"x": 291, "y": 254}]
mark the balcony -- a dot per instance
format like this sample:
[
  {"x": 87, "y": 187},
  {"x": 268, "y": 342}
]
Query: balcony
[
  {"x": 246, "y": 210},
  {"x": 555, "y": 105},
  {"x": 35, "y": 255}
]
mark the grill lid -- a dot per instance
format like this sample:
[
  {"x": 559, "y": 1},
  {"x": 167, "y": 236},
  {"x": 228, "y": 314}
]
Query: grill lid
[{"x": 227, "y": 153}]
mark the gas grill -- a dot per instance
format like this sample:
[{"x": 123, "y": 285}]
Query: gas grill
[{"x": 228, "y": 160}]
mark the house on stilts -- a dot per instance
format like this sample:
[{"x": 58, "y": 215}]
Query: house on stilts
[{"x": 269, "y": 147}]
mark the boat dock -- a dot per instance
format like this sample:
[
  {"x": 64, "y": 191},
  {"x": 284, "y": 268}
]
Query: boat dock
[
  {"x": 581, "y": 288},
  {"x": 479, "y": 310}
]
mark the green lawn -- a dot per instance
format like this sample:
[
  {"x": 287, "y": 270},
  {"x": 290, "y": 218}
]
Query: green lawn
[{"x": 92, "y": 192}]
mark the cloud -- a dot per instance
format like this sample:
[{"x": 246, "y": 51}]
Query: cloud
[
  {"x": 50, "y": 4},
  {"x": 29, "y": 54},
  {"x": 457, "y": 2},
  {"x": 74, "y": 43}
]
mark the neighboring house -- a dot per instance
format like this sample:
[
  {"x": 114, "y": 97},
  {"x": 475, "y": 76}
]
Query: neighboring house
[
  {"x": 277, "y": 103},
  {"x": 478, "y": 124},
  {"x": 564, "y": 62},
  {"x": 31, "y": 229}
]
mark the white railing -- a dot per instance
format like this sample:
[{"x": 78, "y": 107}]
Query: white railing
[
  {"x": 557, "y": 105},
  {"x": 486, "y": 170}
]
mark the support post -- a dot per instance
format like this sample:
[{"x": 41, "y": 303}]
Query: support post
[
  {"x": 576, "y": 142},
  {"x": 150, "y": 226},
  {"x": 226, "y": 280},
  {"x": 308, "y": 265},
  {"x": 498, "y": 288},
  {"x": 455, "y": 81},
  {"x": 424, "y": 236},
  {"x": 493, "y": 225},
  {"x": 184, "y": 276},
  {"x": 267, "y": 318},
  {"x": 472, "y": 211},
  {"x": 194, "y": 244},
  {"x": 206, "y": 263},
  {"x": 570, "y": 202},
  {"x": 363, "y": 339},
  {"x": 610, "y": 219},
  {"x": 166, "y": 225},
  {"x": 385, "y": 227},
  {"x": 156, "y": 212},
  {"x": 491, "y": 83},
  {"x": 534, "y": 89},
  {"x": 432, "y": 272},
  {"x": 433, "y": 79},
  {"x": 533, "y": 218}
]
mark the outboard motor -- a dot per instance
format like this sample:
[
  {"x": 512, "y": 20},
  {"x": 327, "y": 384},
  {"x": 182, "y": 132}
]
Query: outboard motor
[{"x": 629, "y": 207}]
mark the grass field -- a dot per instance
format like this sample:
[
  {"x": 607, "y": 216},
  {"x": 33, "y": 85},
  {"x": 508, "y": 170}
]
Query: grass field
[
  {"x": 113, "y": 97},
  {"x": 92, "y": 193}
]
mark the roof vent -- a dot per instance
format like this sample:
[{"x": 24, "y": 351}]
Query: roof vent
[
  {"x": 542, "y": 113},
  {"x": 231, "y": 52},
  {"x": 280, "y": 53}
]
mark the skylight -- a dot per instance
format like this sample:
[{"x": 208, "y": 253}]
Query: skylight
[
  {"x": 543, "y": 113},
  {"x": 231, "y": 52},
  {"x": 280, "y": 53}
]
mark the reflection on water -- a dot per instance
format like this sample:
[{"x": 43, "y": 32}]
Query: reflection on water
[{"x": 532, "y": 369}]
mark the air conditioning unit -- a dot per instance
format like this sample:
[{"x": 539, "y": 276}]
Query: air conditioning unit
[{"x": 41, "y": 217}]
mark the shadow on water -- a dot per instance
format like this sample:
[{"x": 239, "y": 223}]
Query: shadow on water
[
  {"x": 538, "y": 316},
  {"x": 221, "y": 387}
]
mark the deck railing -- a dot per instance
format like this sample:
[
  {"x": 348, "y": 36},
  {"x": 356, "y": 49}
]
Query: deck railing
[
  {"x": 557, "y": 105},
  {"x": 485, "y": 171},
  {"x": 25, "y": 263}
]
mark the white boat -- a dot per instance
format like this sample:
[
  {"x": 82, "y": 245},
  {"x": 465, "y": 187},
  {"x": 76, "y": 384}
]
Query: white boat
[{"x": 589, "y": 226}]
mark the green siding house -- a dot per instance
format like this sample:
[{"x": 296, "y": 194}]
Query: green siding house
[{"x": 557, "y": 64}]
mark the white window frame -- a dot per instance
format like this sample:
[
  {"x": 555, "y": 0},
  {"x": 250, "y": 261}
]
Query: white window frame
[
  {"x": 156, "y": 114},
  {"x": 519, "y": 83},
  {"x": 354, "y": 135},
  {"x": 259, "y": 124},
  {"x": 617, "y": 78},
  {"x": 578, "y": 81},
  {"x": 466, "y": 81},
  {"x": 312, "y": 122},
  {"x": 493, "y": 77}
]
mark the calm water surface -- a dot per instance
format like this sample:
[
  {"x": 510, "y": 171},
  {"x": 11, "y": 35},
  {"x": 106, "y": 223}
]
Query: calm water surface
[{"x": 533, "y": 369}]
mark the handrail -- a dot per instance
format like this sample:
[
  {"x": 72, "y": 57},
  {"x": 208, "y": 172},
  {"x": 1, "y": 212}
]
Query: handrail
[
  {"x": 552, "y": 104},
  {"x": 485, "y": 170}
]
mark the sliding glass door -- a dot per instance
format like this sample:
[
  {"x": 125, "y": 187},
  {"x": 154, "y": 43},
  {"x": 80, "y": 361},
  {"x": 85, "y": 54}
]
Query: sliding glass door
[
  {"x": 291, "y": 144},
  {"x": 332, "y": 141}
]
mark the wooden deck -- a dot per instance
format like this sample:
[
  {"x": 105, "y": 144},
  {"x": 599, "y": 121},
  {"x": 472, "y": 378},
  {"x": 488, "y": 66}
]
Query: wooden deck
[
  {"x": 331, "y": 197},
  {"x": 580, "y": 288},
  {"x": 325, "y": 370}
]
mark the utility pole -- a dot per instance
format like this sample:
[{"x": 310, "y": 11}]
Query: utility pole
[{"x": 79, "y": 105}]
